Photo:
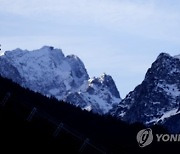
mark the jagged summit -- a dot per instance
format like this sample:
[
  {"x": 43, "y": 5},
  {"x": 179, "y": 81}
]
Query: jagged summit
[
  {"x": 163, "y": 54},
  {"x": 48, "y": 71},
  {"x": 106, "y": 81},
  {"x": 157, "y": 98},
  {"x": 103, "y": 87}
]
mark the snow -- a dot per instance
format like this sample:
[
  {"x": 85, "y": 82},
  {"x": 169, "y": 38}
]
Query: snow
[
  {"x": 100, "y": 96},
  {"x": 49, "y": 72},
  {"x": 91, "y": 80},
  {"x": 88, "y": 108},
  {"x": 164, "y": 116},
  {"x": 169, "y": 114},
  {"x": 154, "y": 120},
  {"x": 122, "y": 114},
  {"x": 156, "y": 103},
  {"x": 95, "y": 99},
  {"x": 54, "y": 91},
  {"x": 84, "y": 86},
  {"x": 44, "y": 69},
  {"x": 1, "y": 53},
  {"x": 170, "y": 89},
  {"x": 102, "y": 78}
]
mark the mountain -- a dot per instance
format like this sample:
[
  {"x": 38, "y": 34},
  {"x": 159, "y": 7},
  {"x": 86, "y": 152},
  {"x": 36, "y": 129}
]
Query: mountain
[
  {"x": 157, "y": 98},
  {"x": 51, "y": 73},
  {"x": 94, "y": 92}
]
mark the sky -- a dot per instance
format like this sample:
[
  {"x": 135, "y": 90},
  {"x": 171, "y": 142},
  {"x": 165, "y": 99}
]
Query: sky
[{"x": 117, "y": 37}]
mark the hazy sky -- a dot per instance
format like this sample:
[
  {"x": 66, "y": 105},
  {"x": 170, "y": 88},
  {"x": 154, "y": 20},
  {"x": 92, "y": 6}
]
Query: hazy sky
[{"x": 119, "y": 37}]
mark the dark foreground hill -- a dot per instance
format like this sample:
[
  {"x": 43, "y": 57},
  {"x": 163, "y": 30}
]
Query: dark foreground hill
[{"x": 30, "y": 122}]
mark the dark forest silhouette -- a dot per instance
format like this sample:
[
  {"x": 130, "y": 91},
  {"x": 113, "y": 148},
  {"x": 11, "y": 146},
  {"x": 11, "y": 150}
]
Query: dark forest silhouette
[{"x": 32, "y": 122}]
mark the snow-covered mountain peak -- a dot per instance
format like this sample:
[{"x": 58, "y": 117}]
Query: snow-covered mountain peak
[
  {"x": 48, "y": 52},
  {"x": 16, "y": 52},
  {"x": 105, "y": 82},
  {"x": 48, "y": 71},
  {"x": 105, "y": 78},
  {"x": 100, "y": 93},
  {"x": 156, "y": 96}
]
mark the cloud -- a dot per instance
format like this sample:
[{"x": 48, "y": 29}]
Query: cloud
[{"x": 143, "y": 18}]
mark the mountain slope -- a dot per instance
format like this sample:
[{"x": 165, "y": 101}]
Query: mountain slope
[
  {"x": 105, "y": 133},
  {"x": 157, "y": 98},
  {"x": 95, "y": 92},
  {"x": 49, "y": 72}
]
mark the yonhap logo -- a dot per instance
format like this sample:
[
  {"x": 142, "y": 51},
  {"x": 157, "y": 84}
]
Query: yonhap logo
[{"x": 144, "y": 137}]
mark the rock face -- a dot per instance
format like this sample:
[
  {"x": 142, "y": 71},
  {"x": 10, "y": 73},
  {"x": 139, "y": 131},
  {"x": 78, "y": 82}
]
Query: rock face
[
  {"x": 157, "y": 98},
  {"x": 95, "y": 92},
  {"x": 49, "y": 72}
]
